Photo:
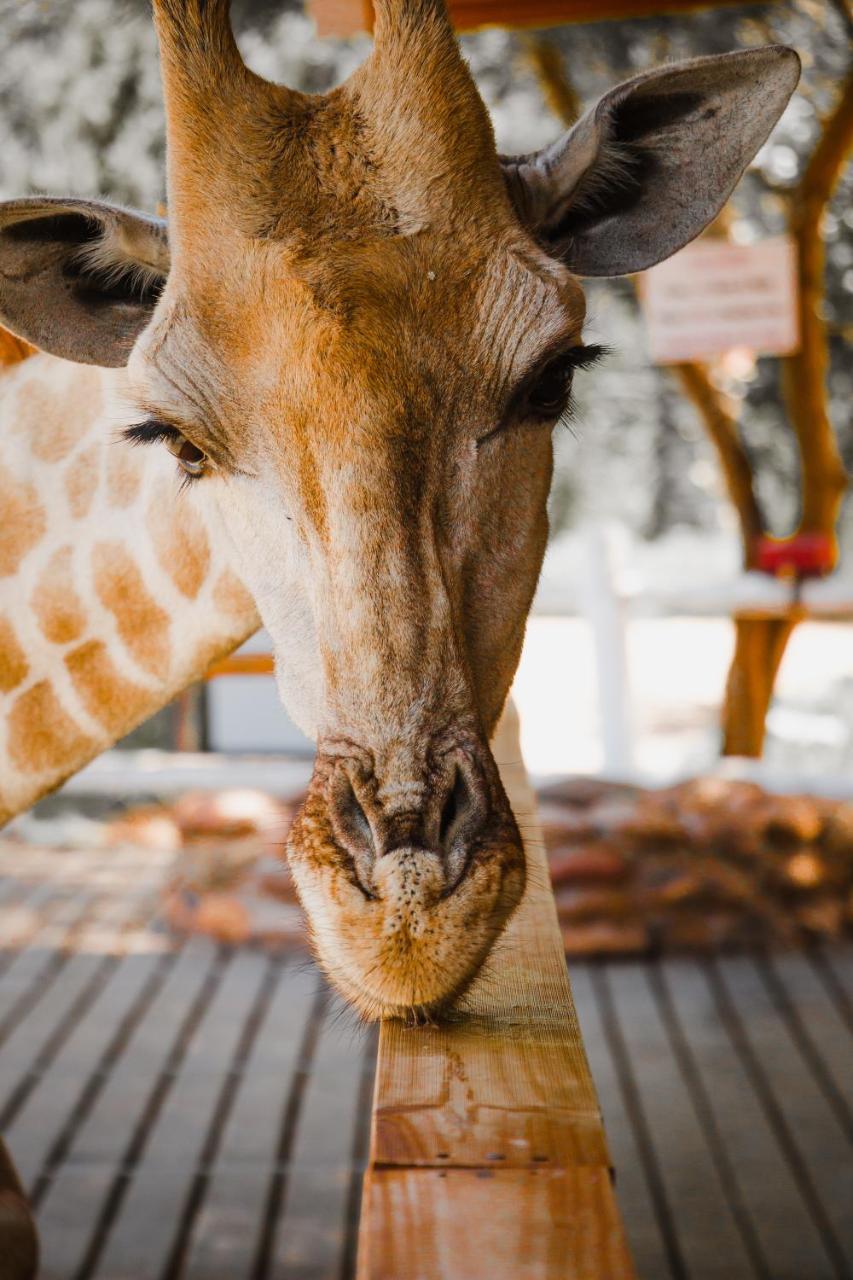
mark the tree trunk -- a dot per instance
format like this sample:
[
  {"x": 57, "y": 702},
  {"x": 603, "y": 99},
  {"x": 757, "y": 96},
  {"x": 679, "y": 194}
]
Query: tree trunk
[{"x": 759, "y": 647}]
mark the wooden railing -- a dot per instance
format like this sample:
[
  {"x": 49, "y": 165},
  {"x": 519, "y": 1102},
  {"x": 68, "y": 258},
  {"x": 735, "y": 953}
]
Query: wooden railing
[{"x": 488, "y": 1156}]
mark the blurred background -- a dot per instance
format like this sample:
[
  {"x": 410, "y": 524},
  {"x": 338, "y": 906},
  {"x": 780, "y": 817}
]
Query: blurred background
[{"x": 645, "y": 558}]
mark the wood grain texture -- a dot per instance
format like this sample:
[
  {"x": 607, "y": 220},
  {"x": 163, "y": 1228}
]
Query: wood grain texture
[
  {"x": 502, "y": 1091},
  {"x": 466, "y": 1224}
]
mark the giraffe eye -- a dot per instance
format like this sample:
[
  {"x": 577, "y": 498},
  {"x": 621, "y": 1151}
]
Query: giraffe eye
[
  {"x": 190, "y": 457},
  {"x": 192, "y": 461}
]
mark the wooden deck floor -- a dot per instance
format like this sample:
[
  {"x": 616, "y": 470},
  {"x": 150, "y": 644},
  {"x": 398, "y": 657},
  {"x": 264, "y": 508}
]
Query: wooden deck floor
[{"x": 199, "y": 1113}]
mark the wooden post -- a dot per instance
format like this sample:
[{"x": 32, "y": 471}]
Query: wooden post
[{"x": 488, "y": 1156}]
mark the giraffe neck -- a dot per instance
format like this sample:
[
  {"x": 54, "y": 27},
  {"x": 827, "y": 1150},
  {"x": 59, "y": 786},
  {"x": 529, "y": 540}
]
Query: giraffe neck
[{"x": 116, "y": 589}]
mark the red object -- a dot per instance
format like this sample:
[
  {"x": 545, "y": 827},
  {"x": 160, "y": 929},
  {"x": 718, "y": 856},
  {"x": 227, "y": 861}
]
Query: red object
[{"x": 805, "y": 555}]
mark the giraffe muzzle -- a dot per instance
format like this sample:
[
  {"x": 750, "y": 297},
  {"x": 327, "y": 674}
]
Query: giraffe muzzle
[{"x": 408, "y": 870}]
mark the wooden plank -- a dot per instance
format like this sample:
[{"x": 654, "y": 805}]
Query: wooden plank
[
  {"x": 230, "y": 1222},
  {"x": 633, "y": 1193},
  {"x": 824, "y": 1037},
  {"x": 838, "y": 960},
  {"x": 104, "y": 1133},
  {"x": 29, "y": 973},
  {"x": 161, "y": 1184},
  {"x": 468, "y": 1224},
  {"x": 801, "y": 1112},
  {"x": 70, "y": 1210},
  {"x": 54, "y": 1098},
  {"x": 312, "y": 1231},
  {"x": 35, "y": 1040},
  {"x": 707, "y": 1230},
  {"x": 507, "y": 1083},
  {"x": 786, "y": 1234},
  {"x": 510, "y": 1080}
]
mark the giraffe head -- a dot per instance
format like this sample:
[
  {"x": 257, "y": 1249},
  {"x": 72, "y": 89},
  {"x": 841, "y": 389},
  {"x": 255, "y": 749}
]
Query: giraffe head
[{"x": 359, "y": 330}]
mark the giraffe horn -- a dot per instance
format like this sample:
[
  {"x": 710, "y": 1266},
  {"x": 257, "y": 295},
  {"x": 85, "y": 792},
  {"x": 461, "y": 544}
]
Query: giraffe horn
[
  {"x": 197, "y": 45},
  {"x": 218, "y": 112}
]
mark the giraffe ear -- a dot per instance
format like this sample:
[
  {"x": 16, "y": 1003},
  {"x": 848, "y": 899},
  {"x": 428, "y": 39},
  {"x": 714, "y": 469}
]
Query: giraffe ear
[
  {"x": 78, "y": 278},
  {"x": 653, "y": 162}
]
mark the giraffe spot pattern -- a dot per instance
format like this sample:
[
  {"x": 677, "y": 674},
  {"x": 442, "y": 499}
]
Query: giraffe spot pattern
[
  {"x": 41, "y": 734},
  {"x": 124, "y": 475},
  {"x": 116, "y": 703},
  {"x": 57, "y": 607},
  {"x": 231, "y": 597},
  {"x": 81, "y": 481},
  {"x": 142, "y": 625},
  {"x": 44, "y": 418},
  {"x": 22, "y": 522},
  {"x": 13, "y": 662},
  {"x": 180, "y": 543}
]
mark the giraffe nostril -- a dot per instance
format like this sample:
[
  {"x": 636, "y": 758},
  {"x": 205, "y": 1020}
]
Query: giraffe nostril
[
  {"x": 462, "y": 816},
  {"x": 353, "y": 832},
  {"x": 454, "y": 806}
]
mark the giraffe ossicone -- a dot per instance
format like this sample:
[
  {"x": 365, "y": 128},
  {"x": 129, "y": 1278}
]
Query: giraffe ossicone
[{"x": 354, "y": 340}]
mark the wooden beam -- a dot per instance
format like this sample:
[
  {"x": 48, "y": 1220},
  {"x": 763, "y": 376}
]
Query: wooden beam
[
  {"x": 487, "y": 1145},
  {"x": 242, "y": 664},
  {"x": 347, "y": 17}
]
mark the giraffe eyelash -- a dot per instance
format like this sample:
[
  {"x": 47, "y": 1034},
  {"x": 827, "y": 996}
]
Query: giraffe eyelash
[
  {"x": 191, "y": 460},
  {"x": 150, "y": 432}
]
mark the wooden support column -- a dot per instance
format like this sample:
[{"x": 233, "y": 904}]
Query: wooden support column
[{"x": 488, "y": 1157}]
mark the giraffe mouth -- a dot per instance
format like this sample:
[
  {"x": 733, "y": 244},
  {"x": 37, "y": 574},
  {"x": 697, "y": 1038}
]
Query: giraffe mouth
[{"x": 405, "y": 906}]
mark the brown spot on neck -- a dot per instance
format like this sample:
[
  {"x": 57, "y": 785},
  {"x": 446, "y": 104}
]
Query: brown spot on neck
[
  {"x": 124, "y": 475},
  {"x": 13, "y": 661},
  {"x": 81, "y": 481},
  {"x": 51, "y": 425},
  {"x": 142, "y": 624},
  {"x": 180, "y": 542},
  {"x": 113, "y": 701},
  {"x": 22, "y": 522},
  {"x": 42, "y": 736},
  {"x": 231, "y": 597},
  {"x": 55, "y": 603}
]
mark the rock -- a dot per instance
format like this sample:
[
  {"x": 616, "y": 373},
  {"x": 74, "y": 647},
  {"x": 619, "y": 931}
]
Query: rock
[
  {"x": 695, "y": 931},
  {"x": 593, "y": 862},
  {"x": 580, "y": 793},
  {"x": 150, "y": 827},
  {"x": 805, "y": 870},
  {"x": 577, "y": 904},
  {"x": 837, "y": 834},
  {"x": 792, "y": 820},
  {"x": 231, "y": 814},
  {"x": 566, "y": 827},
  {"x": 822, "y": 917},
  {"x": 604, "y": 937}
]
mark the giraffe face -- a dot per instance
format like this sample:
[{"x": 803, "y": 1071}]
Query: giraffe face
[
  {"x": 366, "y": 334},
  {"x": 377, "y": 429}
]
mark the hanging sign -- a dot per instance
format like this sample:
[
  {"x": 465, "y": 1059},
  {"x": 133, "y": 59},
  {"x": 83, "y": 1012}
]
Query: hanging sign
[{"x": 713, "y": 296}]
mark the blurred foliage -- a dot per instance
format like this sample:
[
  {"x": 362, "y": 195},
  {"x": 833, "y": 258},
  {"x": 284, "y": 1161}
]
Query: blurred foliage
[{"x": 81, "y": 112}]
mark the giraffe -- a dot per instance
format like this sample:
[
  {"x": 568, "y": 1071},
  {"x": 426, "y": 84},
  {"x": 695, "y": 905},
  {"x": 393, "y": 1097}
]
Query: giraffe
[
  {"x": 354, "y": 340},
  {"x": 116, "y": 590}
]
